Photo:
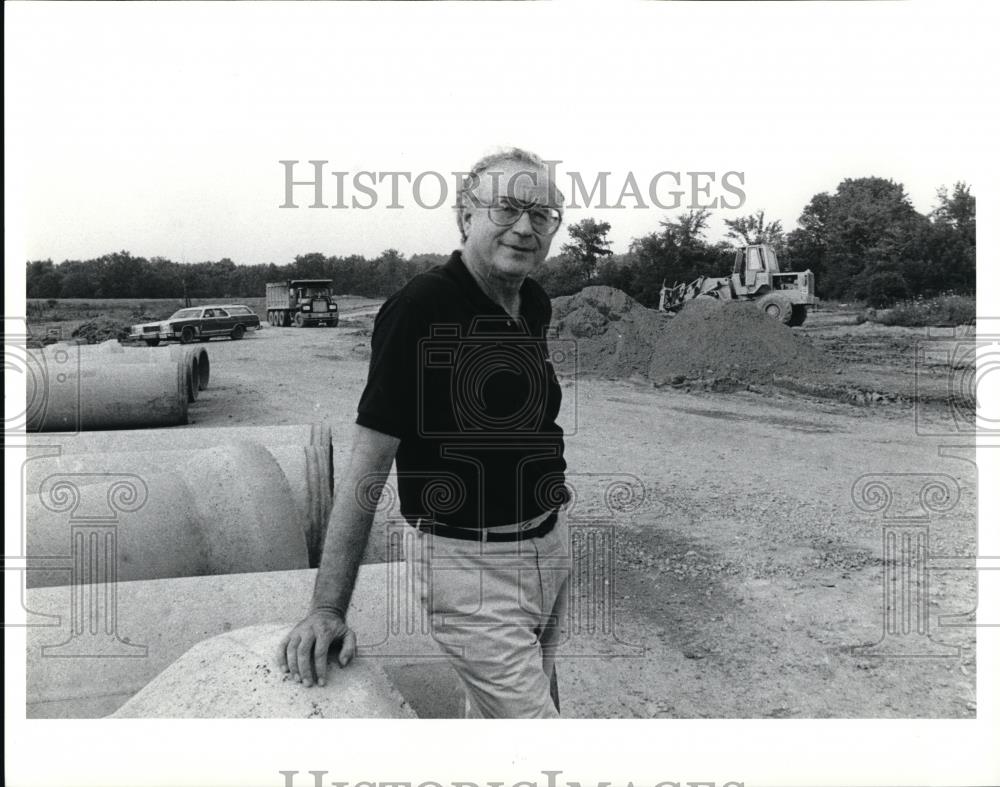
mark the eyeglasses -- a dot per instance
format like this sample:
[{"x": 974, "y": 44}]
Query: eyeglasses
[{"x": 544, "y": 220}]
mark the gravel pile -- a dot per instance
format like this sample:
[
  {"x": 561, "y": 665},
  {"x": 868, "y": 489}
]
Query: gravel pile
[{"x": 616, "y": 337}]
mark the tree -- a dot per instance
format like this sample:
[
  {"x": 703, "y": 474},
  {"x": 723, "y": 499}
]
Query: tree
[
  {"x": 43, "y": 280},
  {"x": 883, "y": 288},
  {"x": 677, "y": 253},
  {"x": 753, "y": 229},
  {"x": 867, "y": 225},
  {"x": 590, "y": 243},
  {"x": 687, "y": 230},
  {"x": 950, "y": 242},
  {"x": 957, "y": 211}
]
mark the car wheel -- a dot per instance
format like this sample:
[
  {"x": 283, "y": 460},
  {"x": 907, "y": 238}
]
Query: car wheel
[
  {"x": 238, "y": 332},
  {"x": 187, "y": 335},
  {"x": 152, "y": 342}
]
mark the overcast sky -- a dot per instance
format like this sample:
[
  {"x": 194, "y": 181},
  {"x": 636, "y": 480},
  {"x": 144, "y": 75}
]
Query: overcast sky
[{"x": 158, "y": 129}]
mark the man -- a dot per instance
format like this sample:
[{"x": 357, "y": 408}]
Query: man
[{"x": 462, "y": 395}]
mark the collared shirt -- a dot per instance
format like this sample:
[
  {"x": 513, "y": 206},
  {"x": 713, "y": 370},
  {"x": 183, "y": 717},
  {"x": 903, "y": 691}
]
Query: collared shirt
[{"x": 472, "y": 396}]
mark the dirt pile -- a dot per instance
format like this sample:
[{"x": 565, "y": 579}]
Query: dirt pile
[
  {"x": 735, "y": 340},
  {"x": 101, "y": 330},
  {"x": 614, "y": 336}
]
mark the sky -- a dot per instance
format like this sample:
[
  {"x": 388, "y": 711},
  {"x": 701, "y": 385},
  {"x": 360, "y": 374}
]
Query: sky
[{"x": 159, "y": 129}]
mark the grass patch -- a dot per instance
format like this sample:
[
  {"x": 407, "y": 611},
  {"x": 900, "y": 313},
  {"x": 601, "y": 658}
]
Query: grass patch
[{"x": 940, "y": 311}]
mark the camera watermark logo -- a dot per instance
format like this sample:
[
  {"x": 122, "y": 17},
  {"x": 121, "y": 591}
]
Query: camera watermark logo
[
  {"x": 956, "y": 382},
  {"x": 497, "y": 381},
  {"x": 905, "y": 504}
]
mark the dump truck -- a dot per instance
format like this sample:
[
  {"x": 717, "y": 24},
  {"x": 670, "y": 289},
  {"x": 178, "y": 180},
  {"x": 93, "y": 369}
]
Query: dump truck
[
  {"x": 756, "y": 277},
  {"x": 301, "y": 302}
]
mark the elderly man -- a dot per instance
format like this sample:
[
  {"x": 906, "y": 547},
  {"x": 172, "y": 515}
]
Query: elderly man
[{"x": 462, "y": 395}]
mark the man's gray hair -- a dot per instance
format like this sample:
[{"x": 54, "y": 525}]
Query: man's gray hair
[{"x": 472, "y": 179}]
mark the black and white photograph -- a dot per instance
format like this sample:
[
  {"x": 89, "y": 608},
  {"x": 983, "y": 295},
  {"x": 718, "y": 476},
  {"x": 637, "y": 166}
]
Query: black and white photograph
[{"x": 508, "y": 394}]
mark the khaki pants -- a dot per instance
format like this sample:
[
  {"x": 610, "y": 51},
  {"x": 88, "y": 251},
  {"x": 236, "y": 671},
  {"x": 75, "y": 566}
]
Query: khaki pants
[{"x": 496, "y": 609}]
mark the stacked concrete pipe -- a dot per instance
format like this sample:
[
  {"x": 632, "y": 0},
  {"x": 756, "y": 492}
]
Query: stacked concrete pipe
[
  {"x": 71, "y": 388},
  {"x": 157, "y": 514},
  {"x": 303, "y": 452}
]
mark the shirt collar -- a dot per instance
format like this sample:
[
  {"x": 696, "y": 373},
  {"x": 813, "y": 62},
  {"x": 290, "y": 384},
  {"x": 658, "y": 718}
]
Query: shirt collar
[{"x": 484, "y": 303}]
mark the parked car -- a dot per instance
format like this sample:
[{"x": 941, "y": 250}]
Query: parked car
[{"x": 199, "y": 322}]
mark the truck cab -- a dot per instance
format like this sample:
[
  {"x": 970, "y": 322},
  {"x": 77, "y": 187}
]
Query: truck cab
[{"x": 301, "y": 302}]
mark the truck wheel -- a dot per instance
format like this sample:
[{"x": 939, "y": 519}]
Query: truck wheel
[
  {"x": 270, "y": 318},
  {"x": 187, "y": 335},
  {"x": 152, "y": 342},
  {"x": 777, "y": 307},
  {"x": 238, "y": 332},
  {"x": 798, "y": 315},
  {"x": 300, "y": 321}
]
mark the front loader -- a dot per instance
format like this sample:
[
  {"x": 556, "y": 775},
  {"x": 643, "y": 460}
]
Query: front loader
[{"x": 756, "y": 277}]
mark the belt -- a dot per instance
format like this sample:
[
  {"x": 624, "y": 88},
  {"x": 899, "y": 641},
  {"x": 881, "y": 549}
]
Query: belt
[{"x": 485, "y": 534}]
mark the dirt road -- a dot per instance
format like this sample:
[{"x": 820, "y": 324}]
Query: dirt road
[{"x": 740, "y": 584}]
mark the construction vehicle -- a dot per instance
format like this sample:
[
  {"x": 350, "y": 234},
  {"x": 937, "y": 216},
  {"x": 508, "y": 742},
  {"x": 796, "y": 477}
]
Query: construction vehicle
[
  {"x": 301, "y": 302},
  {"x": 756, "y": 277}
]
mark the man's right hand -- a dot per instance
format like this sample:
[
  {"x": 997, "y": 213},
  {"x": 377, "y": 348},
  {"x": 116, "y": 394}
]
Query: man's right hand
[{"x": 304, "y": 650}]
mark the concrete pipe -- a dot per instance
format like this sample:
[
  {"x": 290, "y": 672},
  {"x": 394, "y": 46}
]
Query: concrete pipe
[
  {"x": 161, "y": 540},
  {"x": 197, "y": 357},
  {"x": 310, "y": 476},
  {"x": 308, "y": 468},
  {"x": 316, "y": 434},
  {"x": 222, "y": 510},
  {"x": 69, "y": 391}
]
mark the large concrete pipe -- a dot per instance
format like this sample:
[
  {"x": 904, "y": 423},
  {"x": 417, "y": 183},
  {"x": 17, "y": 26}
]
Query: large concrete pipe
[
  {"x": 195, "y": 357},
  {"x": 306, "y": 476},
  {"x": 161, "y": 540},
  {"x": 68, "y": 391},
  {"x": 310, "y": 476},
  {"x": 97, "y": 442},
  {"x": 222, "y": 510},
  {"x": 304, "y": 453}
]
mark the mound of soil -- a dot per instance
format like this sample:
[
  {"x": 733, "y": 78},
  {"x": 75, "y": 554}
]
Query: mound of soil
[
  {"x": 616, "y": 337},
  {"x": 101, "y": 330},
  {"x": 735, "y": 340},
  {"x": 612, "y": 334}
]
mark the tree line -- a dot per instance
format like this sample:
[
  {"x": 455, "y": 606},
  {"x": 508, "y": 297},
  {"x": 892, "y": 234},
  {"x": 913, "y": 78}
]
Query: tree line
[{"x": 864, "y": 241}]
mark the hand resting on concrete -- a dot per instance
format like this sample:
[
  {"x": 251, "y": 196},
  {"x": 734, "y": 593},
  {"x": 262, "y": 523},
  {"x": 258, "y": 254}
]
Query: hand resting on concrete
[{"x": 305, "y": 650}]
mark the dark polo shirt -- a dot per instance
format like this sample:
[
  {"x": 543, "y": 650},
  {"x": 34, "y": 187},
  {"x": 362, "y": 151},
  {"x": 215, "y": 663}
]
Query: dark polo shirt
[{"x": 473, "y": 398}]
